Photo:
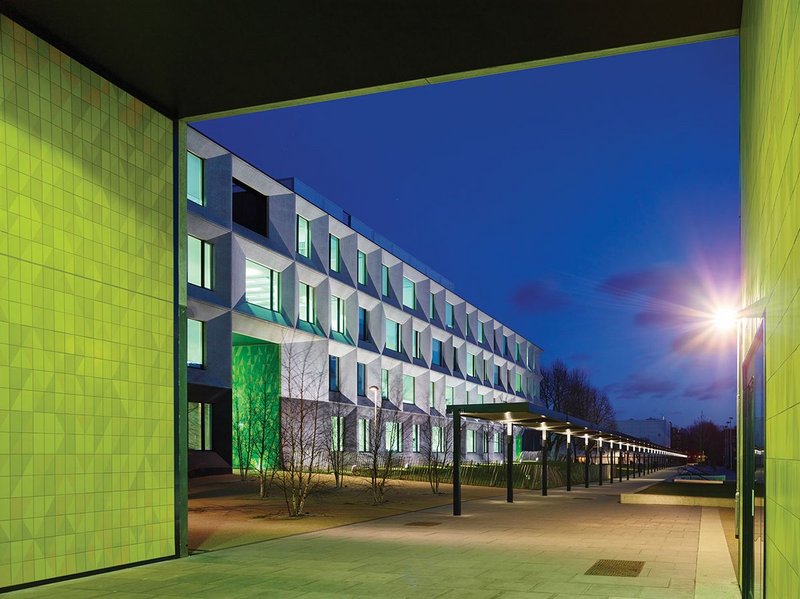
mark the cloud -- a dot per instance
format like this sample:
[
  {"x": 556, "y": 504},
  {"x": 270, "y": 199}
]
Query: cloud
[
  {"x": 714, "y": 390},
  {"x": 641, "y": 386},
  {"x": 540, "y": 296}
]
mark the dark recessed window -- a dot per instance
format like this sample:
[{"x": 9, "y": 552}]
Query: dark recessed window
[{"x": 250, "y": 208}]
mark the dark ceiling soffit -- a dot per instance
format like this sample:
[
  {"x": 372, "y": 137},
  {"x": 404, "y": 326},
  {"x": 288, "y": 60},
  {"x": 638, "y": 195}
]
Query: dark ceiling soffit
[{"x": 189, "y": 58}]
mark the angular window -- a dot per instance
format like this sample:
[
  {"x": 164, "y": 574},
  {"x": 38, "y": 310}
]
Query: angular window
[
  {"x": 470, "y": 441},
  {"x": 384, "y": 280},
  {"x": 337, "y": 433},
  {"x": 333, "y": 253},
  {"x": 467, "y": 332},
  {"x": 437, "y": 439},
  {"x": 485, "y": 442},
  {"x": 432, "y": 394},
  {"x": 449, "y": 394},
  {"x": 505, "y": 345},
  {"x": 194, "y": 179},
  {"x": 250, "y": 208},
  {"x": 498, "y": 442},
  {"x": 333, "y": 373},
  {"x": 200, "y": 262},
  {"x": 195, "y": 343},
  {"x": 199, "y": 421},
  {"x": 409, "y": 293},
  {"x": 436, "y": 352},
  {"x": 496, "y": 374},
  {"x": 338, "y": 315},
  {"x": 361, "y": 376},
  {"x": 518, "y": 383},
  {"x": 481, "y": 337},
  {"x": 384, "y": 383},
  {"x": 486, "y": 371},
  {"x": 303, "y": 237},
  {"x": 449, "y": 315},
  {"x": 416, "y": 351},
  {"x": 481, "y": 398},
  {"x": 415, "y": 438},
  {"x": 362, "y": 268},
  {"x": 431, "y": 307},
  {"x": 363, "y": 323},
  {"x": 408, "y": 389},
  {"x": 470, "y": 364},
  {"x": 393, "y": 341},
  {"x": 363, "y": 434},
  {"x": 394, "y": 436},
  {"x": 262, "y": 286},
  {"x": 455, "y": 360},
  {"x": 517, "y": 353},
  {"x": 306, "y": 303}
]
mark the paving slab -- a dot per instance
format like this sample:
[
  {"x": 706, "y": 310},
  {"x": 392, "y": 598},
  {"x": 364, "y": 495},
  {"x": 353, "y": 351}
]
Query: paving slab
[{"x": 535, "y": 547}]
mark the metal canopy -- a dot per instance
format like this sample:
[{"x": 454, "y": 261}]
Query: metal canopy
[
  {"x": 533, "y": 417},
  {"x": 189, "y": 58}
]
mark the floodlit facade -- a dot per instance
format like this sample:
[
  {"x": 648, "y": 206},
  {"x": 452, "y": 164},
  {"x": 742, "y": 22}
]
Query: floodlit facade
[{"x": 272, "y": 263}]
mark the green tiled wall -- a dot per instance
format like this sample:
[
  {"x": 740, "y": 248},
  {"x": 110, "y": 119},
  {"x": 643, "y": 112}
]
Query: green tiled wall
[
  {"x": 770, "y": 163},
  {"x": 257, "y": 370},
  {"x": 86, "y": 325}
]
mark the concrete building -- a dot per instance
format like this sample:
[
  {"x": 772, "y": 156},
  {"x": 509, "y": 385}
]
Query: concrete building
[
  {"x": 93, "y": 434},
  {"x": 273, "y": 263},
  {"x": 657, "y": 430}
]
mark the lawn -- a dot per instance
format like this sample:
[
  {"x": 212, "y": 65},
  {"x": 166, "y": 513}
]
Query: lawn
[{"x": 726, "y": 490}]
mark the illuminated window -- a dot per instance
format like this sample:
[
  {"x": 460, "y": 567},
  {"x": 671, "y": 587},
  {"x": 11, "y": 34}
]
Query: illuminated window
[
  {"x": 416, "y": 351},
  {"x": 496, "y": 374},
  {"x": 394, "y": 436},
  {"x": 384, "y": 383},
  {"x": 194, "y": 178},
  {"x": 470, "y": 364},
  {"x": 409, "y": 293},
  {"x": 518, "y": 383},
  {"x": 338, "y": 315},
  {"x": 362, "y": 268},
  {"x": 337, "y": 433},
  {"x": 303, "y": 237},
  {"x": 200, "y": 260},
  {"x": 449, "y": 393},
  {"x": 262, "y": 286},
  {"x": 518, "y": 353},
  {"x": 437, "y": 439},
  {"x": 361, "y": 376},
  {"x": 333, "y": 253},
  {"x": 481, "y": 337},
  {"x": 393, "y": 341},
  {"x": 306, "y": 303},
  {"x": 470, "y": 441},
  {"x": 408, "y": 388},
  {"x": 449, "y": 315},
  {"x": 485, "y": 443},
  {"x": 498, "y": 443},
  {"x": 436, "y": 352},
  {"x": 195, "y": 343},
  {"x": 432, "y": 394},
  {"x": 415, "y": 438},
  {"x": 363, "y": 434},
  {"x": 384, "y": 280}
]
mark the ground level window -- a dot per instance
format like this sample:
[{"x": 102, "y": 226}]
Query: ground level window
[
  {"x": 363, "y": 434},
  {"x": 394, "y": 436},
  {"x": 415, "y": 438},
  {"x": 470, "y": 441},
  {"x": 199, "y": 425}
]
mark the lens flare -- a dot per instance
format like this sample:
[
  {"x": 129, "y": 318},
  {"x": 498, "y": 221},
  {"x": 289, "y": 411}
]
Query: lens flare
[{"x": 725, "y": 318}]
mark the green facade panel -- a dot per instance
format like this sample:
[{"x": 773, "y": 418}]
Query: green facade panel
[
  {"x": 256, "y": 385},
  {"x": 86, "y": 319},
  {"x": 770, "y": 164}
]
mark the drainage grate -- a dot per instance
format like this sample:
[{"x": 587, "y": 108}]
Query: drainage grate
[
  {"x": 423, "y": 523},
  {"x": 615, "y": 567}
]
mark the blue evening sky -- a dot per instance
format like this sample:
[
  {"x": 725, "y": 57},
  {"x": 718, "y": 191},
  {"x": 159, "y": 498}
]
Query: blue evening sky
[{"x": 590, "y": 206}]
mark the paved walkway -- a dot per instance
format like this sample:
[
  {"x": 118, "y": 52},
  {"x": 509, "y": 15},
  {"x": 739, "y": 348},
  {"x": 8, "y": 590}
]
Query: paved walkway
[{"x": 538, "y": 547}]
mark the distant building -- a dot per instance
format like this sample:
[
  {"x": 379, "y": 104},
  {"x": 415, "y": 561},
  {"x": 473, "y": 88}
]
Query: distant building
[{"x": 656, "y": 430}]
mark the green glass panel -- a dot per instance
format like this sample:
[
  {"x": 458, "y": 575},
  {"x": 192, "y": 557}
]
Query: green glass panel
[
  {"x": 303, "y": 237},
  {"x": 333, "y": 253},
  {"x": 409, "y": 293},
  {"x": 194, "y": 178},
  {"x": 362, "y": 268},
  {"x": 195, "y": 342}
]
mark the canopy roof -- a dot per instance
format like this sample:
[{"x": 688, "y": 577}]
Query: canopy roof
[
  {"x": 189, "y": 58},
  {"x": 534, "y": 417}
]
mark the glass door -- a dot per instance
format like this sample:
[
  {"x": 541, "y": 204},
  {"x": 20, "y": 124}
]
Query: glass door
[{"x": 754, "y": 469}]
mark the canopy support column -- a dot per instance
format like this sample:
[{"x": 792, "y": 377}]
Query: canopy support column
[
  {"x": 544, "y": 462},
  {"x": 456, "y": 463},
  {"x": 510, "y": 463}
]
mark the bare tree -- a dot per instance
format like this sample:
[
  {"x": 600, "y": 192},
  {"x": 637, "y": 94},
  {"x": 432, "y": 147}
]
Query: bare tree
[
  {"x": 385, "y": 443},
  {"x": 334, "y": 440},
  {"x": 244, "y": 417},
  {"x": 266, "y": 434},
  {"x": 301, "y": 431},
  {"x": 438, "y": 449}
]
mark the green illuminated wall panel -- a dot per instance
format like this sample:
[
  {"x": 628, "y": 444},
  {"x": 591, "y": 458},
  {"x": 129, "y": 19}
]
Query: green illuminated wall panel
[
  {"x": 770, "y": 162},
  {"x": 86, "y": 325},
  {"x": 256, "y": 381}
]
